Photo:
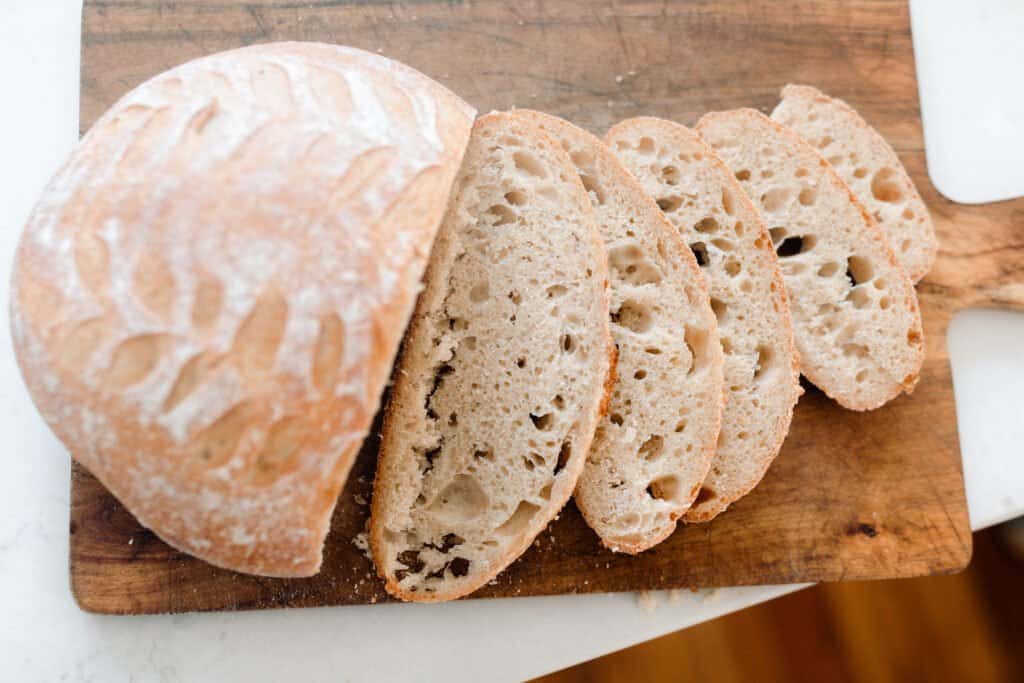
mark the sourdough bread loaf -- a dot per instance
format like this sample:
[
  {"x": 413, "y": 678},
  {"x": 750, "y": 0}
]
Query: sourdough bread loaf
[
  {"x": 653, "y": 448},
  {"x": 709, "y": 209},
  {"x": 503, "y": 374},
  {"x": 869, "y": 165},
  {"x": 855, "y": 314},
  {"x": 207, "y": 299}
]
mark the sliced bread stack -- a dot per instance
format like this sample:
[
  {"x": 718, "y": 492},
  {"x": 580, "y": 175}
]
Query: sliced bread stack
[
  {"x": 504, "y": 371},
  {"x": 855, "y": 313},
  {"x": 708, "y": 208},
  {"x": 654, "y": 447}
]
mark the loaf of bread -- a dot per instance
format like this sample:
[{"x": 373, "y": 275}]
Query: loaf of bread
[
  {"x": 855, "y": 314},
  {"x": 653, "y": 448},
  {"x": 869, "y": 165},
  {"x": 709, "y": 209},
  {"x": 208, "y": 297},
  {"x": 504, "y": 372}
]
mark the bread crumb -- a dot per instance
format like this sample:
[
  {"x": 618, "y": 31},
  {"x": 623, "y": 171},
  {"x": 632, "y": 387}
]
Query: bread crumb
[
  {"x": 131, "y": 541},
  {"x": 362, "y": 542},
  {"x": 647, "y": 601},
  {"x": 712, "y": 595},
  {"x": 619, "y": 79},
  {"x": 360, "y": 499}
]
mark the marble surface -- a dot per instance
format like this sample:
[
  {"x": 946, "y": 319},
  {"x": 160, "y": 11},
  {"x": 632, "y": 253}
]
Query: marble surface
[{"x": 44, "y": 636}]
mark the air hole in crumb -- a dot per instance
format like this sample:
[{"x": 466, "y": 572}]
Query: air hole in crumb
[
  {"x": 515, "y": 197},
  {"x": 411, "y": 560},
  {"x": 653, "y": 350},
  {"x": 520, "y": 362},
  {"x": 670, "y": 175},
  {"x": 765, "y": 357},
  {"x": 722, "y": 244},
  {"x": 859, "y": 297},
  {"x": 680, "y": 426},
  {"x": 860, "y": 172},
  {"x": 791, "y": 246},
  {"x": 885, "y": 186},
  {"x": 542, "y": 422},
  {"x": 640, "y": 374},
  {"x": 652, "y": 448},
  {"x": 858, "y": 270},
  {"x": 558, "y": 402},
  {"x": 592, "y": 187},
  {"x": 700, "y": 252},
  {"x": 884, "y": 303},
  {"x": 633, "y": 315},
  {"x": 646, "y": 145},
  {"x": 706, "y": 225},
  {"x": 528, "y": 163},
  {"x": 861, "y": 375},
  {"x": 718, "y": 306},
  {"x": 775, "y": 199},
  {"x": 501, "y": 214},
  {"x": 479, "y": 292},
  {"x": 807, "y": 196},
  {"x": 801, "y": 172},
  {"x": 743, "y": 175},
  {"x": 829, "y": 269},
  {"x": 697, "y": 340},
  {"x": 733, "y": 268},
  {"x": 825, "y": 142},
  {"x": 483, "y": 454},
  {"x": 777, "y": 234},
  {"x": 568, "y": 343},
  {"x": 665, "y": 488},
  {"x": 459, "y": 567},
  {"x": 564, "y": 453},
  {"x": 669, "y": 204},
  {"x": 728, "y": 204},
  {"x": 908, "y": 213},
  {"x": 615, "y": 419},
  {"x": 555, "y": 291}
]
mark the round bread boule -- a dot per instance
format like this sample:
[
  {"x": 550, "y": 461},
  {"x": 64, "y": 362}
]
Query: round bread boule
[{"x": 208, "y": 298}]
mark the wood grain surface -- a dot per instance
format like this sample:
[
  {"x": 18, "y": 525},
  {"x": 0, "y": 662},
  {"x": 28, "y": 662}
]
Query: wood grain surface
[{"x": 852, "y": 496}]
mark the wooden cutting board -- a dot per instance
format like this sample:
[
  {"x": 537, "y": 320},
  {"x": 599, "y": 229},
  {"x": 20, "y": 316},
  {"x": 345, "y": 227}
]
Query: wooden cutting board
[{"x": 852, "y": 496}]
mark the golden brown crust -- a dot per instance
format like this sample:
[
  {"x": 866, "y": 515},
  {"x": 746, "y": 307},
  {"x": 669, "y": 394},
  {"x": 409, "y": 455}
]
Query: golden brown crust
[{"x": 207, "y": 299}]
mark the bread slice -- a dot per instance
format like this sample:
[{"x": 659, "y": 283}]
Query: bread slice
[
  {"x": 209, "y": 296},
  {"x": 869, "y": 165},
  {"x": 708, "y": 208},
  {"x": 653, "y": 448},
  {"x": 855, "y": 315},
  {"x": 504, "y": 371}
]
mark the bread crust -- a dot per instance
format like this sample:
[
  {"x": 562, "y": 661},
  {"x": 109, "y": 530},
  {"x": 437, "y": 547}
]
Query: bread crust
[
  {"x": 880, "y": 245},
  {"x": 207, "y": 299},
  {"x": 918, "y": 256},
  {"x": 393, "y": 461}
]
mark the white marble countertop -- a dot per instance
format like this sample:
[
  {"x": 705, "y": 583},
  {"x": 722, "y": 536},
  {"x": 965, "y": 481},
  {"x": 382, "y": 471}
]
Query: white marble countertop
[{"x": 44, "y": 636}]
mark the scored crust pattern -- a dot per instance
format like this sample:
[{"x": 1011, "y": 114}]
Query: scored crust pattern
[{"x": 208, "y": 297}]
